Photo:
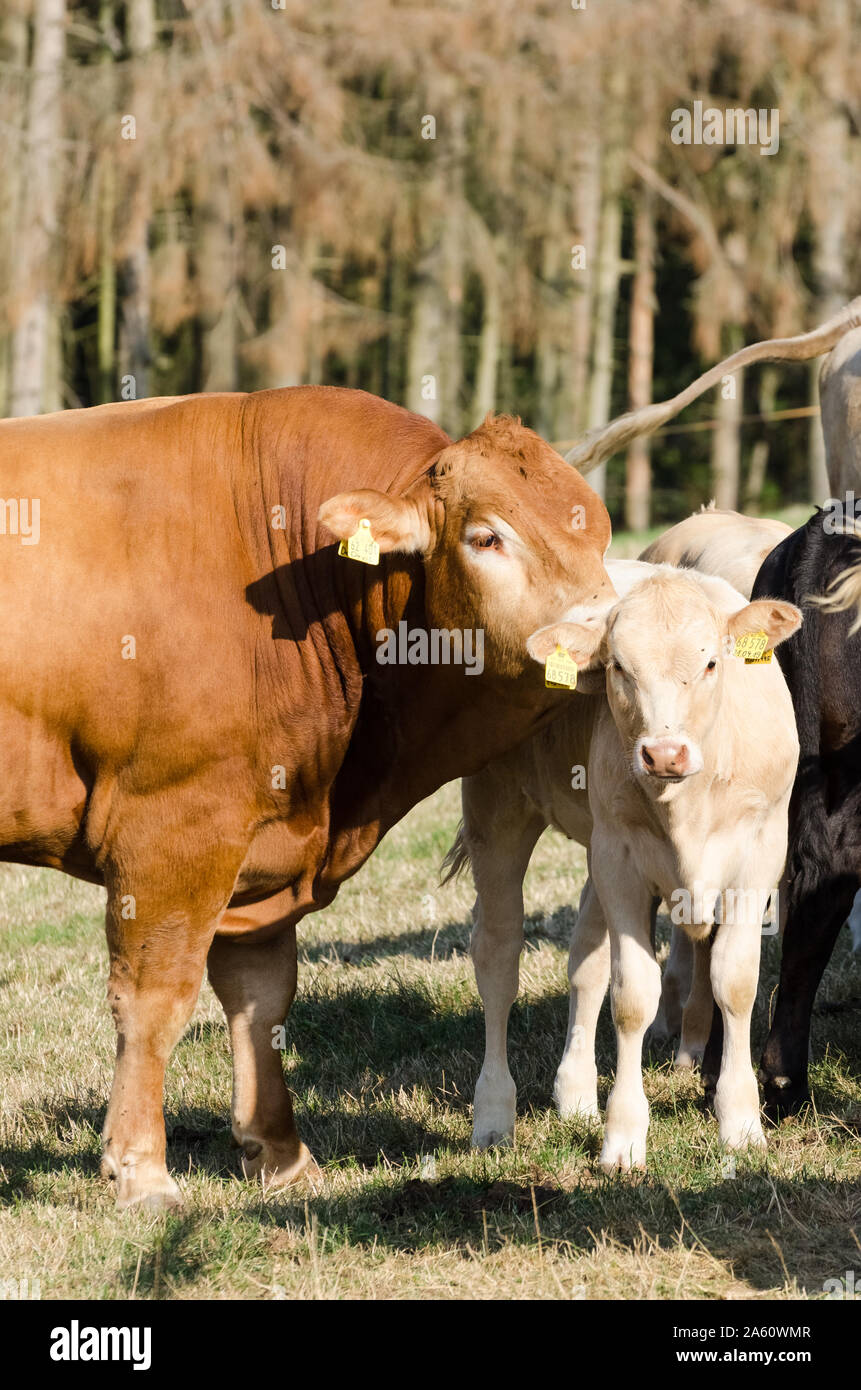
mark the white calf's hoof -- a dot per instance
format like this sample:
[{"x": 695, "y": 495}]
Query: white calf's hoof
[
  {"x": 583, "y": 1110},
  {"x": 493, "y": 1112},
  {"x": 622, "y": 1153},
  {"x": 688, "y": 1057},
  {"x": 575, "y": 1094},
  {"x": 577, "y": 1105},
  {"x": 492, "y": 1138},
  {"x": 746, "y": 1134}
]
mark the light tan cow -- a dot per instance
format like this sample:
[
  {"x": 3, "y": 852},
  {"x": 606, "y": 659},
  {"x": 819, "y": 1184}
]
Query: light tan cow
[
  {"x": 840, "y": 396},
  {"x": 733, "y": 547},
  {"x": 690, "y": 756},
  {"x": 840, "y": 399},
  {"x": 719, "y": 542}
]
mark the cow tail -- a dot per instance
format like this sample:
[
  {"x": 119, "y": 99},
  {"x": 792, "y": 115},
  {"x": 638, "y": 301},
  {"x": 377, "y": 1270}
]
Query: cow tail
[{"x": 456, "y": 860}]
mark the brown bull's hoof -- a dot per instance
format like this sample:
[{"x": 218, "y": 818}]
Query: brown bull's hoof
[
  {"x": 278, "y": 1165},
  {"x": 142, "y": 1183}
]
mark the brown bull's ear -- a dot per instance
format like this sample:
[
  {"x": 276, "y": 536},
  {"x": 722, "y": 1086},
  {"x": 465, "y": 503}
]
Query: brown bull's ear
[
  {"x": 397, "y": 523},
  {"x": 778, "y": 620},
  {"x": 582, "y": 642}
]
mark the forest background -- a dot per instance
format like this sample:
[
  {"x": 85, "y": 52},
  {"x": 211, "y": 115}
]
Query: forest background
[{"x": 471, "y": 206}]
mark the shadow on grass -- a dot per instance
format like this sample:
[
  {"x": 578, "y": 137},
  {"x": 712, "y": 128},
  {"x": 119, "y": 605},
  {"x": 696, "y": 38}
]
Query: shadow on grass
[
  {"x": 173, "y": 1256},
  {"x": 377, "y": 1073},
  {"x": 440, "y": 941},
  {"x": 758, "y": 1229},
  {"x": 360, "y": 1048}
]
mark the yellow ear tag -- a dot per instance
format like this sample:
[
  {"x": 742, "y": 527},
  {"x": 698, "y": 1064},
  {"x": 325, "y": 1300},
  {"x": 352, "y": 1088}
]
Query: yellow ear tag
[
  {"x": 361, "y": 545},
  {"x": 753, "y": 648},
  {"x": 560, "y": 670}
]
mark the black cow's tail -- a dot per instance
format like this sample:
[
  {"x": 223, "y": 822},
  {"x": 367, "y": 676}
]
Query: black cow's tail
[{"x": 844, "y": 592}]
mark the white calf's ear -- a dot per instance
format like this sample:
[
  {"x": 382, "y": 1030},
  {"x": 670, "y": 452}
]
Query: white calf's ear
[
  {"x": 582, "y": 643},
  {"x": 397, "y": 523},
  {"x": 777, "y": 619}
]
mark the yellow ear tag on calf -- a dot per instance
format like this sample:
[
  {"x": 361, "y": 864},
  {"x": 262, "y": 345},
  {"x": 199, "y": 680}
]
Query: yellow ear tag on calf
[
  {"x": 753, "y": 647},
  {"x": 560, "y": 670},
  {"x": 361, "y": 545}
]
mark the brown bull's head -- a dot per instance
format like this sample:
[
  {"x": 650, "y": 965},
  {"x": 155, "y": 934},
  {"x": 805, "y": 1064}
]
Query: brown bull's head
[{"x": 511, "y": 537}]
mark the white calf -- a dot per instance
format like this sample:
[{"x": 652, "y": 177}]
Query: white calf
[{"x": 690, "y": 757}]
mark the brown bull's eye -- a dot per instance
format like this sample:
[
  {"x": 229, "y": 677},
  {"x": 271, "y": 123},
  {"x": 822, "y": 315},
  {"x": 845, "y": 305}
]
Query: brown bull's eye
[{"x": 487, "y": 540}]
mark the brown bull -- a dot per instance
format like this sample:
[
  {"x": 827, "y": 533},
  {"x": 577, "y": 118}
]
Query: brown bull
[{"x": 191, "y": 708}]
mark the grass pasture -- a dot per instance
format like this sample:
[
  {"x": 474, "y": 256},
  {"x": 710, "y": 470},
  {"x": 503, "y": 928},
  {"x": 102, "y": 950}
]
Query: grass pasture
[{"x": 385, "y": 1042}]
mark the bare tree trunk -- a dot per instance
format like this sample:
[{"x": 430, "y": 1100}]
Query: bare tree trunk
[
  {"x": 135, "y": 351},
  {"x": 217, "y": 279},
  {"x": 587, "y": 221},
  {"x": 281, "y": 354},
  {"x": 726, "y": 436},
  {"x": 426, "y": 341},
  {"x": 33, "y": 331},
  {"x": 608, "y": 274},
  {"x": 13, "y": 55},
  {"x": 759, "y": 452},
  {"x": 433, "y": 349},
  {"x": 831, "y": 185},
  {"x": 638, "y": 476},
  {"x": 107, "y": 263},
  {"x": 434, "y": 362},
  {"x": 484, "y": 397},
  {"x": 555, "y": 271},
  {"x": 107, "y": 283}
]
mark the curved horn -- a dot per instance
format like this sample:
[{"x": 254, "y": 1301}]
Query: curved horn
[{"x": 600, "y": 444}]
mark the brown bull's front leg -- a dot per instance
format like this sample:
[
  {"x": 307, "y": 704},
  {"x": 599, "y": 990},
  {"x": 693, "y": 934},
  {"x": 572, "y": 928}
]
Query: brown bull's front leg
[
  {"x": 161, "y": 917},
  {"x": 255, "y": 981}
]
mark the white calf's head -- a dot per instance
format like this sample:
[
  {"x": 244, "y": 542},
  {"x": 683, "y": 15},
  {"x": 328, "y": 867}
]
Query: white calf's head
[{"x": 662, "y": 652}]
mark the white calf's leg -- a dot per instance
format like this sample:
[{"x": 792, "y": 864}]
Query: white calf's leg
[
  {"x": 499, "y": 860},
  {"x": 698, "y": 1010},
  {"x": 576, "y": 1087},
  {"x": 675, "y": 988},
  {"x": 635, "y": 991},
  {"x": 734, "y": 975}
]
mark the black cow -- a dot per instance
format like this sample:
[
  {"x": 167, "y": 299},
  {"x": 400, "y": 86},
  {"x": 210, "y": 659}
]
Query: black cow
[{"x": 822, "y": 665}]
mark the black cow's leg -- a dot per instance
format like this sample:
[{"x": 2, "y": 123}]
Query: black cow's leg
[
  {"x": 710, "y": 1065},
  {"x": 808, "y": 940}
]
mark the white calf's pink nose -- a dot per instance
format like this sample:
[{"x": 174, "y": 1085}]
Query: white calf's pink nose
[{"x": 665, "y": 757}]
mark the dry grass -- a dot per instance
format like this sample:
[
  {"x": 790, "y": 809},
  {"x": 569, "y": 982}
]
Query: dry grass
[{"x": 386, "y": 1044}]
